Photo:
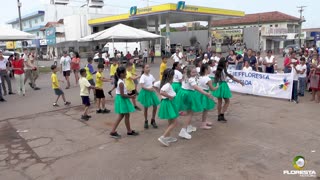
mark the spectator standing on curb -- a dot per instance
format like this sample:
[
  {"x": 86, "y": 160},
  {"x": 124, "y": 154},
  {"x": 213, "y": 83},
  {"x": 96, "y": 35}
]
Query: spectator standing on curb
[
  {"x": 145, "y": 56},
  {"x": 177, "y": 57},
  {"x": 18, "y": 67},
  {"x": 152, "y": 56},
  {"x": 4, "y": 75},
  {"x": 251, "y": 59}
]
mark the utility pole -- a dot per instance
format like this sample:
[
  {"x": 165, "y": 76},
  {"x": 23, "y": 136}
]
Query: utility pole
[
  {"x": 301, "y": 9},
  {"x": 19, "y": 11}
]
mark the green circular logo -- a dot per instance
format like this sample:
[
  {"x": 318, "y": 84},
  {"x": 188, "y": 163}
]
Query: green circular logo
[{"x": 299, "y": 162}]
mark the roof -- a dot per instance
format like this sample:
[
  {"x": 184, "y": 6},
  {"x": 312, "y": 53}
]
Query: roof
[
  {"x": 52, "y": 24},
  {"x": 27, "y": 16},
  {"x": 177, "y": 13},
  {"x": 311, "y": 30},
  {"x": 265, "y": 17}
]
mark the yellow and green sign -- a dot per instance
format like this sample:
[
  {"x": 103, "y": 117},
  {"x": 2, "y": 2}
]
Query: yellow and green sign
[{"x": 170, "y": 7}]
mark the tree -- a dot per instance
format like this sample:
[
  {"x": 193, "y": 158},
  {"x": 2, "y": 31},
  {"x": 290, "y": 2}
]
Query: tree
[{"x": 172, "y": 29}]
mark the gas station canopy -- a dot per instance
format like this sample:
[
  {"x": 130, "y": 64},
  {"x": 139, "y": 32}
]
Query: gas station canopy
[{"x": 161, "y": 14}]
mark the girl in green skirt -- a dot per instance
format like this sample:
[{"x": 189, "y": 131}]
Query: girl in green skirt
[
  {"x": 122, "y": 104},
  {"x": 223, "y": 92},
  {"x": 147, "y": 96},
  {"x": 207, "y": 103},
  {"x": 187, "y": 100},
  {"x": 177, "y": 78},
  {"x": 168, "y": 110}
]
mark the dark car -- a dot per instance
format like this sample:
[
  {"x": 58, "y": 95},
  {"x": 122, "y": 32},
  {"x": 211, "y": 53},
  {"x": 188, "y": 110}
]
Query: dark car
[{"x": 294, "y": 47}]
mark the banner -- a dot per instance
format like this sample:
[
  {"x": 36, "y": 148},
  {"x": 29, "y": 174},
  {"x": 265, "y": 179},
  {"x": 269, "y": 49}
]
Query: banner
[
  {"x": 262, "y": 84},
  {"x": 157, "y": 48}
]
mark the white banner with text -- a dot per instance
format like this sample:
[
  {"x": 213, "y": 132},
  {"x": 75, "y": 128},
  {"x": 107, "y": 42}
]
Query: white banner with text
[{"x": 262, "y": 84}]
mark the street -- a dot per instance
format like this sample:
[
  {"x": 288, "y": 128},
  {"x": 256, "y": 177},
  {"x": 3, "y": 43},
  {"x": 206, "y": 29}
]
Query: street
[{"x": 260, "y": 140}]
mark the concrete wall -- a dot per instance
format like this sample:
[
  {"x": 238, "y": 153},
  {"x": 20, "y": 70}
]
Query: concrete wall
[{"x": 251, "y": 37}]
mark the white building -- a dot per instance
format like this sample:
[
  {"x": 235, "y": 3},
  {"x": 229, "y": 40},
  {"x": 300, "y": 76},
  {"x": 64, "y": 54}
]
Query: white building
[
  {"x": 276, "y": 29},
  {"x": 73, "y": 24}
]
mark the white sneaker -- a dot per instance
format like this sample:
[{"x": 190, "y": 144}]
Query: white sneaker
[
  {"x": 171, "y": 139},
  {"x": 163, "y": 141},
  {"x": 191, "y": 129},
  {"x": 184, "y": 134}
]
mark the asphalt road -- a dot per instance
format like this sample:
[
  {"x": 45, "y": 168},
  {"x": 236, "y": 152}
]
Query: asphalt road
[{"x": 260, "y": 140}]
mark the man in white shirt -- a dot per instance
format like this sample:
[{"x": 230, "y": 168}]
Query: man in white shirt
[
  {"x": 177, "y": 57},
  {"x": 145, "y": 56},
  {"x": 302, "y": 75},
  {"x": 65, "y": 63},
  {"x": 4, "y": 75}
]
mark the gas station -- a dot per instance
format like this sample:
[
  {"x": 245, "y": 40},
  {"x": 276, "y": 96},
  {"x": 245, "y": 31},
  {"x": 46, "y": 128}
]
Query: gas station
[{"x": 152, "y": 17}]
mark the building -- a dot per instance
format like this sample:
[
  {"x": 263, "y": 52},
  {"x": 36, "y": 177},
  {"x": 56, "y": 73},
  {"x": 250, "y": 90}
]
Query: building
[
  {"x": 274, "y": 30},
  {"x": 312, "y": 36},
  {"x": 69, "y": 23},
  {"x": 31, "y": 23}
]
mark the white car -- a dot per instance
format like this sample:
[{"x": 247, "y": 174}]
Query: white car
[{"x": 7, "y": 54}]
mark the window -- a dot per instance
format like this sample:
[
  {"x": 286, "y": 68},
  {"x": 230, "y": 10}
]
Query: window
[
  {"x": 30, "y": 23},
  {"x": 24, "y": 24},
  {"x": 276, "y": 25},
  {"x": 38, "y": 33},
  {"x": 36, "y": 21},
  {"x": 42, "y": 18}
]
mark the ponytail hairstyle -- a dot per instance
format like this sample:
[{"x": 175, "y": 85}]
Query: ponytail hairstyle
[
  {"x": 188, "y": 73},
  {"x": 203, "y": 69},
  {"x": 175, "y": 65},
  {"x": 167, "y": 77},
  {"x": 120, "y": 70},
  {"x": 222, "y": 68}
]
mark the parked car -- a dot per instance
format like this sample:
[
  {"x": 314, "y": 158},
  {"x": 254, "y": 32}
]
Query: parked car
[
  {"x": 296, "y": 48},
  {"x": 7, "y": 54}
]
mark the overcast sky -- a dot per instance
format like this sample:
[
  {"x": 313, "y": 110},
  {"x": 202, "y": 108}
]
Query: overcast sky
[{"x": 9, "y": 10}]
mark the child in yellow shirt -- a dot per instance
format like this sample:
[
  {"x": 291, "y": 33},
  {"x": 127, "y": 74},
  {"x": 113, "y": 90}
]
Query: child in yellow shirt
[
  {"x": 101, "y": 99},
  {"x": 163, "y": 66},
  {"x": 113, "y": 69},
  {"x": 129, "y": 81},
  {"x": 56, "y": 86}
]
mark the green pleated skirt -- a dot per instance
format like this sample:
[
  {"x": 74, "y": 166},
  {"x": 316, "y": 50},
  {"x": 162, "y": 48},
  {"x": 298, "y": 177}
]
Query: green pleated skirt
[
  {"x": 188, "y": 100},
  {"x": 176, "y": 86},
  {"x": 148, "y": 98},
  {"x": 168, "y": 110},
  {"x": 223, "y": 91},
  {"x": 206, "y": 103},
  {"x": 123, "y": 105}
]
